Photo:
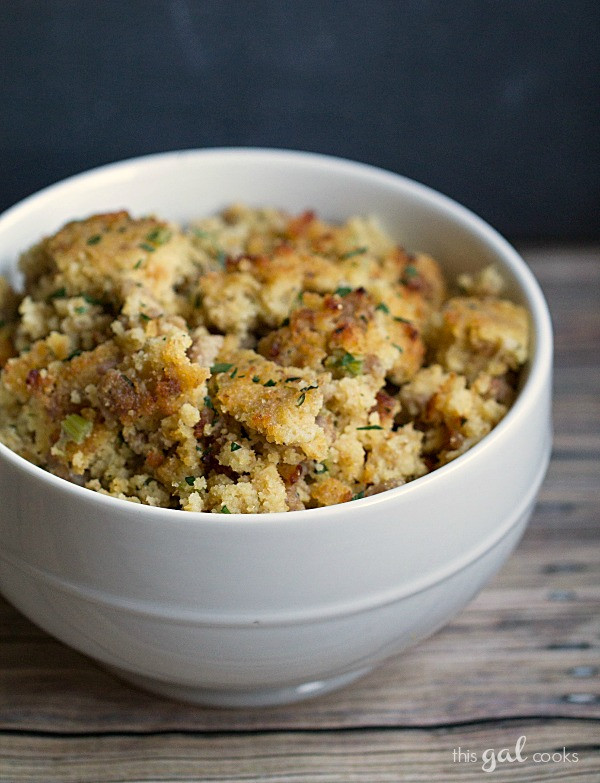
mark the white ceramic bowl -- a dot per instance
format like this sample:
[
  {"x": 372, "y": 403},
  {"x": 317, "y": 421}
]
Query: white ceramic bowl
[{"x": 264, "y": 609}]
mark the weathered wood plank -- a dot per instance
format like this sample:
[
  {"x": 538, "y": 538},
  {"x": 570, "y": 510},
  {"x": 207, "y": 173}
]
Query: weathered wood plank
[
  {"x": 370, "y": 756},
  {"x": 570, "y": 278}
]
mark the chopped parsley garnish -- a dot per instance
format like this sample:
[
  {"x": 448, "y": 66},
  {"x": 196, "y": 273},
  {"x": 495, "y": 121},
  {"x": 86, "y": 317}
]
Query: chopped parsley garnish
[
  {"x": 398, "y": 347},
  {"x": 128, "y": 380},
  {"x": 401, "y": 320},
  {"x": 356, "y": 252},
  {"x": 351, "y": 363},
  {"x": 370, "y": 427},
  {"x": 383, "y": 307},
  {"x": 147, "y": 247},
  {"x": 209, "y": 403},
  {"x": 159, "y": 235},
  {"x": 285, "y": 322},
  {"x": 320, "y": 468},
  {"x": 235, "y": 446},
  {"x": 145, "y": 317},
  {"x": 92, "y": 300},
  {"x": 270, "y": 382},
  {"x": 410, "y": 271},
  {"x": 303, "y": 391},
  {"x": 138, "y": 263},
  {"x": 76, "y": 428},
  {"x": 60, "y": 293},
  {"x": 255, "y": 379},
  {"x": 295, "y": 378},
  {"x": 220, "y": 367},
  {"x": 189, "y": 480},
  {"x": 343, "y": 290},
  {"x": 93, "y": 240},
  {"x": 234, "y": 373},
  {"x": 221, "y": 259},
  {"x": 81, "y": 309},
  {"x": 359, "y": 495},
  {"x": 346, "y": 361},
  {"x": 225, "y": 510},
  {"x": 73, "y": 354}
]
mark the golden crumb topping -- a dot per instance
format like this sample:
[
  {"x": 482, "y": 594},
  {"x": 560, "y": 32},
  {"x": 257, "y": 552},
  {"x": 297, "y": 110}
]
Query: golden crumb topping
[{"x": 252, "y": 362}]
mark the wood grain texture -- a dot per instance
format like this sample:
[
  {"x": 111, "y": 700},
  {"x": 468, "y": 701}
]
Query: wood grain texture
[
  {"x": 522, "y": 659},
  {"x": 373, "y": 755}
]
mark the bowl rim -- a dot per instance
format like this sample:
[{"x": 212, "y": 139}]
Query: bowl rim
[{"x": 539, "y": 369}]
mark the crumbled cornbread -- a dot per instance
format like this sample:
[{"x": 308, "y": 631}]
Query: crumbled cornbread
[{"x": 253, "y": 362}]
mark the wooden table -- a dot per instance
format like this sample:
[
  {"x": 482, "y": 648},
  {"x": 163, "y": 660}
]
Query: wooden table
[{"x": 522, "y": 660}]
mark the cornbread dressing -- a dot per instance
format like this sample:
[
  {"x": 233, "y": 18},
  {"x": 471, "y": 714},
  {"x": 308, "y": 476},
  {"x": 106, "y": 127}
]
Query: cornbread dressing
[{"x": 253, "y": 362}]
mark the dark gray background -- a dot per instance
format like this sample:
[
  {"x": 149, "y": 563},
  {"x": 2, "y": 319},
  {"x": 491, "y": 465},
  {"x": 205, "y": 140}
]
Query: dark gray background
[{"x": 494, "y": 102}]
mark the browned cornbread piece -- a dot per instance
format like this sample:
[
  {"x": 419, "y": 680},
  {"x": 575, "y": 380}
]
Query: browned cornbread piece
[
  {"x": 263, "y": 272},
  {"x": 453, "y": 414},
  {"x": 127, "y": 393},
  {"x": 104, "y": 255},
  {"x": 393, "y": 456},
  {"x": 482, "y": 335},
  {"x": 273, "y": 401},
  {"x": 348, "y": 333}
]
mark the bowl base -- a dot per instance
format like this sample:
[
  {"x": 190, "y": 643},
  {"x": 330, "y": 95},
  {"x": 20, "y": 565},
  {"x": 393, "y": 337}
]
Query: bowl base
[{"x": 234, "y": 697}]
